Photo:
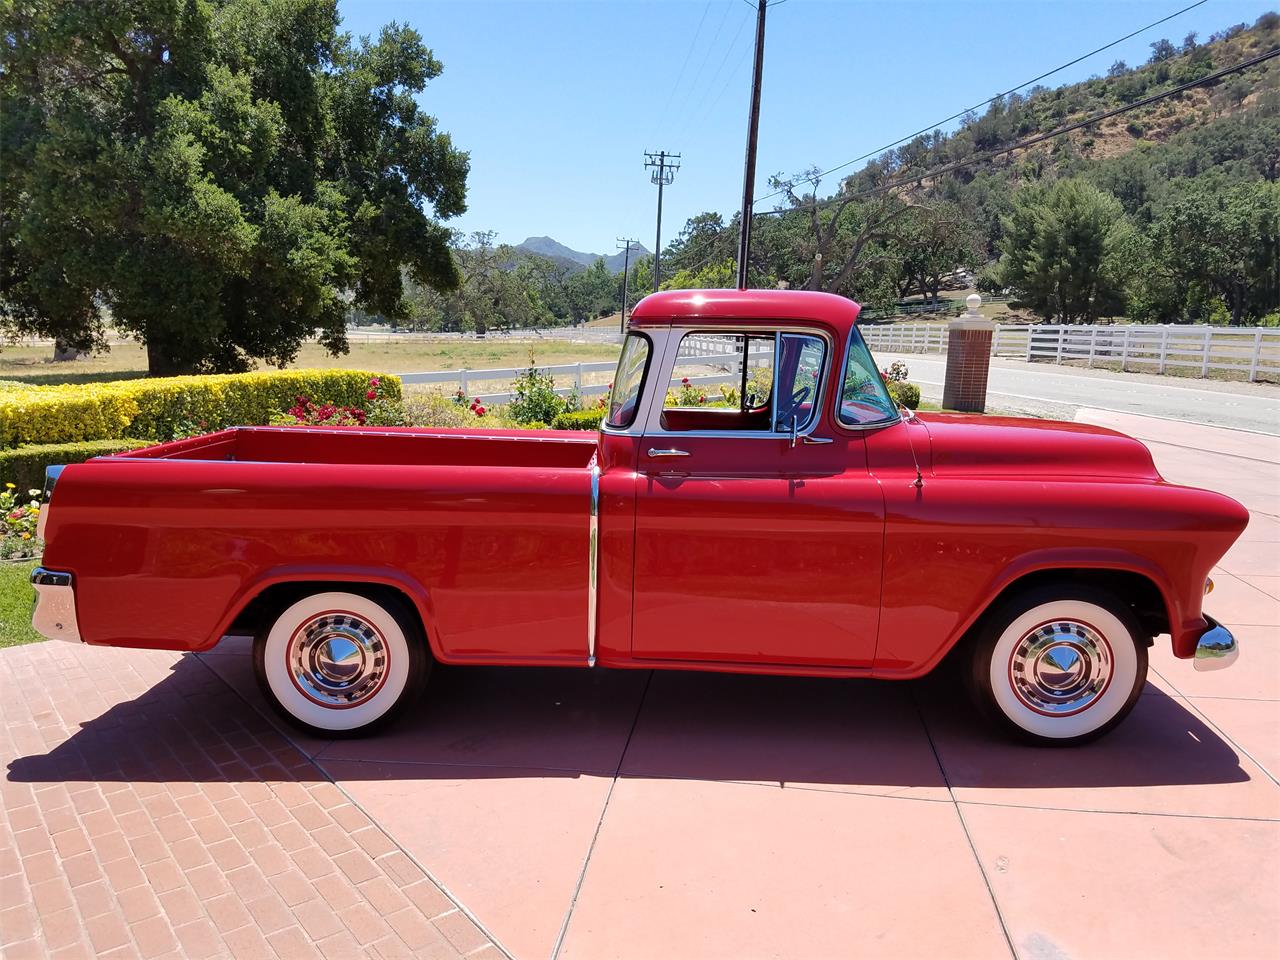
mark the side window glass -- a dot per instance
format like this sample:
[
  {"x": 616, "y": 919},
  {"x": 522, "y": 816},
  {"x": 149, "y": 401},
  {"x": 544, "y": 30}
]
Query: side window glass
[
  {"x": 864, "y": 398},
  {"x": 721, "y": 381},
  {"x": 799, "y": 372}
]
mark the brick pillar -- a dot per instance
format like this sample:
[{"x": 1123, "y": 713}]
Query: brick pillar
[{"x": 968, "y": 360}]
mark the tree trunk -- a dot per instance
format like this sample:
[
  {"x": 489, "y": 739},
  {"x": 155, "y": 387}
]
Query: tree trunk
[
  {"x": 63, "y": 351},
  {"x": 160, "y": 363}
]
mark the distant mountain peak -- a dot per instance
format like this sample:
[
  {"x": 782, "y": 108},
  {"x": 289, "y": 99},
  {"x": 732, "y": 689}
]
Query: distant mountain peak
[{"x": 555, "y": 250}]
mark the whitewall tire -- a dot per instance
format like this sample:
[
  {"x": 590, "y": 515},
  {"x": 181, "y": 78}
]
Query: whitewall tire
[
  {"x": 340, "y": 664},
  {"x": 1059, "y": 665}
]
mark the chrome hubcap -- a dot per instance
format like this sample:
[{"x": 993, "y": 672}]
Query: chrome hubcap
[
  {"x": 338, "y": 660},
  {"x": 1061, "y": 668}
]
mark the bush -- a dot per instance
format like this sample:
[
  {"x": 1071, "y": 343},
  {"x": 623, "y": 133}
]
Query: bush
[
  {"x": 161, "y": 408},
  {"x": 578, "y": 420},
  {"x": 907, "y": 394},
  {"x": 534, "y": 397},
  {"x": 435, "y": 410},
  {"x": 24, "y": 466}
]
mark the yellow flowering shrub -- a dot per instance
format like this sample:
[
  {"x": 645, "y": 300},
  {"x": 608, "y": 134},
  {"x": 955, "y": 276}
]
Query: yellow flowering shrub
[{"x": 156, "y": 408}]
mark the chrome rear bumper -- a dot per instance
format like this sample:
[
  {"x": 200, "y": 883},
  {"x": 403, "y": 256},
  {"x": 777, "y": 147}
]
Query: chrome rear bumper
[
  {"x": 54, "y": 616},
  {"x": 1216, "y": 648}
]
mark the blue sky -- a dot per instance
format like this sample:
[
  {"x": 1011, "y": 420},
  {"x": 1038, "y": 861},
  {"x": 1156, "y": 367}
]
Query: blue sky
[{"x": 557, "y": 101}]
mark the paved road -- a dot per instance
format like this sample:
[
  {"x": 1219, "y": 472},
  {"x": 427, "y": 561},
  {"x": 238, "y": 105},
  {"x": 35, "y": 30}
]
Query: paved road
[{"x": 1021, "y": 387}]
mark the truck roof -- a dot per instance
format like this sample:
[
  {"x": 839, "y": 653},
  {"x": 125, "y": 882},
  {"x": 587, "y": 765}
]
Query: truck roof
[{"x": 717, "y": 307}]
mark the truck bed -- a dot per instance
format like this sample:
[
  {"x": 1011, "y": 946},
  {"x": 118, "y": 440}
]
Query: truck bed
[
  {"x": 404, "y": 446},
  {"x": 169, "y": 543}
]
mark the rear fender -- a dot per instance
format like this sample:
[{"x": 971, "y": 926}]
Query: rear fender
[{"x": 414, "y": 591}]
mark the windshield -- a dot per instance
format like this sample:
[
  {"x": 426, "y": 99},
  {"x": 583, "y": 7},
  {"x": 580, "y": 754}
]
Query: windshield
[
  {"x": 627, "y": 381},
  {"x": 865, "y": 398}
]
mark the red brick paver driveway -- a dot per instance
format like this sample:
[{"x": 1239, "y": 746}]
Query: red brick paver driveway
[
  {"x": 149, "y": 812},
  {"x": 150, "y": 809}
]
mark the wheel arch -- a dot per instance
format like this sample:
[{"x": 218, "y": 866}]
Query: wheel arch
[
  {"x": 1133, "y": 579},
  {"x": 261, "y": 601}
]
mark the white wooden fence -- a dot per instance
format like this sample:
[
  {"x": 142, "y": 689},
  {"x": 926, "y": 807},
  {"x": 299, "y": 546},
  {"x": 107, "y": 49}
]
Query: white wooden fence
[
  {"x": 719, "y": 351},
  {"x": 1251, "y": 352}
]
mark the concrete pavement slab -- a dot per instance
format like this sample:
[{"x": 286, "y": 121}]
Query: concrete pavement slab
[
  {"x": 1252, "y": 725},
  {"x": 686, "y": 868},
  {"x": 846, "y": 735},
  {"x": 1254, "y": 676},
  {"x": 1122, "y": 885},
  {"x": 1249, "y": 606},
  {"x": 509, "y": 843},
  {"x": 1238, "y": 443},
  {"x": 1252, "y": 558},
  {"x": 555, "y": 719},
  {"x": 1163, "y": 759},
  {"x": 1268, "y": 585}
]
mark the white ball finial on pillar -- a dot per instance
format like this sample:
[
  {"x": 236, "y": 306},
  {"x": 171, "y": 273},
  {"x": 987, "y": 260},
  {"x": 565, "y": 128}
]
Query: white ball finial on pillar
[{"x": 973, "y": 302}]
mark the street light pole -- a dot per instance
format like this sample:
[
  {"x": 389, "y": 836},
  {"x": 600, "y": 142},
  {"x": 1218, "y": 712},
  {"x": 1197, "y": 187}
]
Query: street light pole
[{"x": 749, "y": 166}]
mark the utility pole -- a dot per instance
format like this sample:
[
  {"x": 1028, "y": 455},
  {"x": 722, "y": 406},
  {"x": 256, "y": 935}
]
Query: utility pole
[
  {"x": 626, "y": 267},
  {"x": 664, "y": 167},
  {"x": 749, "y": 167}
]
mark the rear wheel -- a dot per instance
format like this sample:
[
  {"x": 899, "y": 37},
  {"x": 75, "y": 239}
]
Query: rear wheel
[
  {"x": 1059, "y": 665},
  {"x": 339, "y": 664}
]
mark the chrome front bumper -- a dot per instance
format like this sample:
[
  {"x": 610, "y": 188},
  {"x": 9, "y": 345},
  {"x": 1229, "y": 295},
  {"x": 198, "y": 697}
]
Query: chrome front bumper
[
  {"x": 54, "y": 616},
  {"x": 1216, "y": 648}
]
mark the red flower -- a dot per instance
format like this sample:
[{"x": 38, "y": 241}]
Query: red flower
[
  {"x": 685, "y": 381},
  {"x": 479, "y": 411},
  {"x": 703, "y": 398},
  {"x": 371, "y": 395},
  {"x": 373, "y": 382}
]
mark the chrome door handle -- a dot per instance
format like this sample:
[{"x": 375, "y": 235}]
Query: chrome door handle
[
  {"x": 810, "y": 439},
  {"x": 670, "y": 452}
]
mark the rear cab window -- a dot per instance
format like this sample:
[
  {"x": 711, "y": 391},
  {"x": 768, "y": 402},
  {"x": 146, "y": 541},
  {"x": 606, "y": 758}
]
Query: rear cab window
[{"x": 628, "y": 381}]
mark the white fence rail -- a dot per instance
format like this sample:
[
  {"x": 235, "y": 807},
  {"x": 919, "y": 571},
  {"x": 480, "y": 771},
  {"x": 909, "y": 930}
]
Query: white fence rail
[
  {"x": 707, "y": 351},
  {"x": 1251, "y": 352},
  {"x": 572, "y": 334}
]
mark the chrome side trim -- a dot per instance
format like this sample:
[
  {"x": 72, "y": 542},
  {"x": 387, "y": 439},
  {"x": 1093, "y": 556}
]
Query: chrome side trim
[
  {"x": 593, "y": 561},
  {"x": 1217, "y": 648},
  {"x": 54, "y": 616}
]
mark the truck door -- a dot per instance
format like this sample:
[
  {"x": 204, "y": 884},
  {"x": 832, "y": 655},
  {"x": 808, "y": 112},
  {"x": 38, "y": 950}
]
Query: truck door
[{"x": 758, "y": 527}]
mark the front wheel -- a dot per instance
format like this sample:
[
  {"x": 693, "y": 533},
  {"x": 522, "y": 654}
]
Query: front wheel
[
  {"x": 340, "y": 664},
  {"x": 1059, "y": 665}
]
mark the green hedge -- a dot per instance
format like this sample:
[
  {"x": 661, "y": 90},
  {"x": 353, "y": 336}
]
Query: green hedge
[
  {"x": 156, "y": 409},
  {"x": 24, "y": 466},
  {"x": 578, "y": 420},
  {"x": 907, "y": 394}
]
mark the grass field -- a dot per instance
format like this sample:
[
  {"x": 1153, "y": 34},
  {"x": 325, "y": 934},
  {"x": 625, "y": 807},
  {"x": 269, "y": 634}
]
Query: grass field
[
  {"x": 16, "y": 598},
  {"x": 128, "y": 360}
]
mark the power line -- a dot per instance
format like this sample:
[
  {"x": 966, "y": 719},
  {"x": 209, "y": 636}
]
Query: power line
[
  {"x": 697, "y": 109},
  {"x": 1030, "y": 141},
  {"x": 985, "y": 103},
  {"x": 688, "y": 54},
  {"x": 706, "y": 55}
]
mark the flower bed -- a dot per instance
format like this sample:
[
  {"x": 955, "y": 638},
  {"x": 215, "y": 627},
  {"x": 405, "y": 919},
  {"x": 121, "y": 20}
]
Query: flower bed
[{"x": 18, "y": 516}]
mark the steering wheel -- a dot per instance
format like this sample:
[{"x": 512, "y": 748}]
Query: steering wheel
[{"x": 797, "y": 398}]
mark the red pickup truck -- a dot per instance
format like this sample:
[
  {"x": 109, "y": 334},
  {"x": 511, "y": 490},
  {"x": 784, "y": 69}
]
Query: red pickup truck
[{"x": 804, "y": 525}]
